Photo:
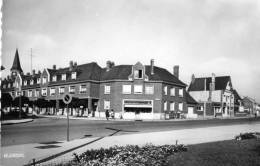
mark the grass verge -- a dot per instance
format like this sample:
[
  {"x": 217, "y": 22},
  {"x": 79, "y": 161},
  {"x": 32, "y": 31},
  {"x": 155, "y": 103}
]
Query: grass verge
[{"x": 226, "y": 153}]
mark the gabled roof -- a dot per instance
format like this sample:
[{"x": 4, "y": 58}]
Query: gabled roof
[
  {"x": 121, "y": 72},
  {"x": 199, "y": 83},
  {"x": 16, "y": 63},
  {"x": 190, "y": 100},
  {"x": 236, "y": 95}
]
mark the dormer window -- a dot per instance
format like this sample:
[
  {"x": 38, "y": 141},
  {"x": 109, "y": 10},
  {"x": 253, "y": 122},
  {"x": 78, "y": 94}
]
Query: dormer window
[
  {"x": 138, "y": 74},
  {"x": 54, "y": 78},
  {"x": 44, "y": 80},
  {"x": 73, "y": 75},
  {"x": 25, "y": 83},
  {"x": 38, "y": 80},
  {"x": 31, "y": 82},
  {"x": 63, "y": 77}
]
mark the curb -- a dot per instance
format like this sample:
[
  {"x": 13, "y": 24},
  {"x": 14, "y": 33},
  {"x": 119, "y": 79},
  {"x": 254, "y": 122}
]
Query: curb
[{"x": 11, "y": 123}]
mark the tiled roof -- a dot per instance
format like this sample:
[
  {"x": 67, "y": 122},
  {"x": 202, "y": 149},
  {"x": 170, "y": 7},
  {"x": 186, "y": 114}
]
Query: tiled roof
[
  {"x": 89, "y": 71},
  {"x": 16, "y": 63},
  {"x": 190, "y": 100},
  {"x": 236, "y": 95},
  {"x": 122, "y": 72},
  {"x": 220, "y": 83}
]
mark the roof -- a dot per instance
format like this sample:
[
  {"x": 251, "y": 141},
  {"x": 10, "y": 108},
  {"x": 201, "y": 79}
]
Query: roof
[
  {"x": 89, "y": 71},
  {"x": 190, "y": 100},
  {"x": 199, "y": 83},
  {"x": 16, "y": 62},
  {"x": 121, "y": 72},
  {"x": 236, "y": 95}
]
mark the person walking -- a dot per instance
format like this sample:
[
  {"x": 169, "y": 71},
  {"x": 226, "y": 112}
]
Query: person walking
[
  {"x": 112, "y": 114},
  {"x": 107, "y": 114}
]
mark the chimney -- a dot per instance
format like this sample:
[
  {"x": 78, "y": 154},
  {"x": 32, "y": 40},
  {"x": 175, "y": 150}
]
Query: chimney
[
  {"x": 39, "y": 72},
  {"x": 192, "y": 78},
  {"x": 75, "y": 64},
  {"x": 28, "y": 73},
  {"x": 152, "y": 66},
  {"x": 110, "y": 64},
  {"x": 176, "y": 71},
  {"x": 213, "y": 82},
  {"x": 71, "y": 65},
  {"x": 54, "y": 67}
]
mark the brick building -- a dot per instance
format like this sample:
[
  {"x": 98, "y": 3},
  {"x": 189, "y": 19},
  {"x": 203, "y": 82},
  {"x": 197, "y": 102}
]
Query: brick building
[{"x": 133, "y": 91}]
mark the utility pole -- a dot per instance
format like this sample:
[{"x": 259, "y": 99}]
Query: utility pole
[{"x": 31, "y": 59}]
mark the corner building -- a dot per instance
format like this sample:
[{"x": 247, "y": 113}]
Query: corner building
[{"x": 133, "y": 91}]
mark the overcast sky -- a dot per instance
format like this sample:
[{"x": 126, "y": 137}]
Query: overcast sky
[{"x": 202, "y": 36}]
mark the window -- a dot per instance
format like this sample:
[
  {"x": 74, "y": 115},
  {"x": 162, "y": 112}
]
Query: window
[
  {"x": 25, "y": 83},
  {"x": 180, "y": 106},
  {"x": 4, "y": 86},
  {"x": 9, "y": 85},
  {"x": 30, "y": 93},
  {"x": 61, "y": 90},
  {"x": 13, "y": 94},
  {"x": 200, "y": 108},
  {"x": 106, "y": 104},
  {"x": 44, "y": 92},
  {"x": 138, "y": 74},
  {"x": 37, "y": 93},
  {"x": 149, "y": 89},
  {"x": 107, "y": 89},
  {"x": 23, "y": 93},
  {"x": 165, "y": 89},
  {"x": 54, "y": 78},
  {"x": 181, "y": 92},
  {"x": 138, "y": 89},
  {"x": 63, "y": 77},
  {"x": 172, "y": 106},
  {"x": 72, "y": 89},
  {"x": 165, "y": 106},
  {"x": 31, "y": 82},
  {"x": 17, "y": 93},
  {"x": 127, "y": 89},
  {"x": 73, "y": 75},
  {"x": 38, "y": 80},
  {"x": 172, "y": 91},
  {"x": 83, "y": 89},
  {"x": 52, "y": 91},
  {"x": 44, "y": 80}
]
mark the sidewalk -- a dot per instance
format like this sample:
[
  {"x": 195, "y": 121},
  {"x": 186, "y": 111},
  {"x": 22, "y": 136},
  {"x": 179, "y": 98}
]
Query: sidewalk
[
  {"x": 9, "y": 122},
  {"x": 23, "y": 154},
  {"x": 145, "y": 120}
]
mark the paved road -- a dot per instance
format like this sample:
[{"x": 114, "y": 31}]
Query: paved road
[{"x": 52, "y": 129}]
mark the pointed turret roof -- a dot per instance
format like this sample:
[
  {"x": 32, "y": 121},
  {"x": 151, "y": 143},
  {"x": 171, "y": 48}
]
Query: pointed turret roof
[{"x": 16, "y": 64}]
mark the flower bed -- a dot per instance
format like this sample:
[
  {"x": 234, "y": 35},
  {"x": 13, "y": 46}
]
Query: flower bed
[{"x": 127, "y": 155}]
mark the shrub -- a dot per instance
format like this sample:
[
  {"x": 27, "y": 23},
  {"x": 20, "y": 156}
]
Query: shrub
[{"x": 128, "y": 155}]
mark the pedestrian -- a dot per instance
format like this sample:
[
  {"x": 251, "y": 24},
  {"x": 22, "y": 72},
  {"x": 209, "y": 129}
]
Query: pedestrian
[
  {"x": 112, "y": 114},
  {"x": 107, "y": 114}
]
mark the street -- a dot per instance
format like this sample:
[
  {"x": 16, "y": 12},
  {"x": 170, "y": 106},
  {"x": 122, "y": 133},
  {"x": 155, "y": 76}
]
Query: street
[{"x": 54, "y": 129}]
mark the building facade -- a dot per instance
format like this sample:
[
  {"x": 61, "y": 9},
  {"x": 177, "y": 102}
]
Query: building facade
[
  {"x": 132, "y": 91},
  {"x": 214, "y": 95}
]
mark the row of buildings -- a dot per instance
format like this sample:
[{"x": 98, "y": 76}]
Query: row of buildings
[{"x": 135, "y": 91}]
